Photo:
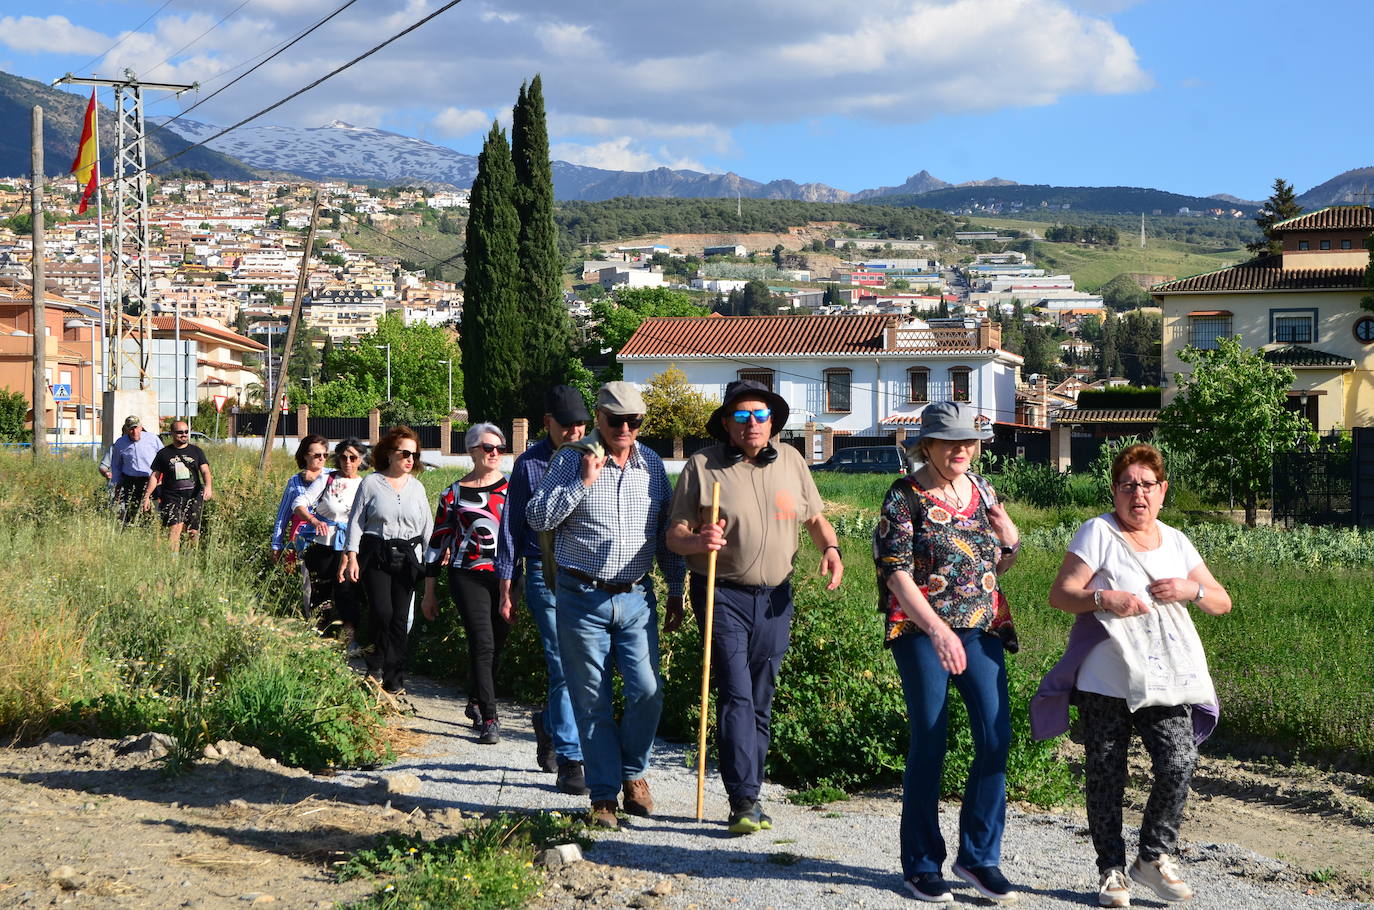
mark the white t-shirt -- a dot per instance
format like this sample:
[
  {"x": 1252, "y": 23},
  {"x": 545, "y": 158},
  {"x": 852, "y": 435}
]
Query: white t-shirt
[
  {"x": 1114, "y": 569},
  {"x": 330, "y": 501}
]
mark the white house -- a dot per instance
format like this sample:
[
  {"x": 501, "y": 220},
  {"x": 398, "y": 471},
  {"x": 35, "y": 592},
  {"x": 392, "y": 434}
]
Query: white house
[{"x": 859, "y": 375}]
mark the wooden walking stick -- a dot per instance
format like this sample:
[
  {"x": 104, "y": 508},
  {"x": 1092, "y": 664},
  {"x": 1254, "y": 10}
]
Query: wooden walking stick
[{"x": 706, "y": 656}]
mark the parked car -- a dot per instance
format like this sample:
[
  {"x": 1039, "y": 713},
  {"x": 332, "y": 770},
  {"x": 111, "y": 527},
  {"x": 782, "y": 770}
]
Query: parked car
[
  {"x": 865, "y": 460},
  {"x": 197, "y": 437}
]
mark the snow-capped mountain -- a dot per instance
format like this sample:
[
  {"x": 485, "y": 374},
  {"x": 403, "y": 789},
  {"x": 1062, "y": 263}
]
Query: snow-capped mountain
[{"x": 338, "y": 149}]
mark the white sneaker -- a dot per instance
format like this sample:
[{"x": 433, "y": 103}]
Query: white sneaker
[
  {"x": 1162, "y": 877},
  {"x": 1113, "y": 889}
]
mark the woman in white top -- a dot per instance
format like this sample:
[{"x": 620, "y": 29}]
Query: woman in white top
[
  {"x": 387, "y": 530},
  {"x": 324, "y": 507},
  {"x": 1100, "y": 574}
]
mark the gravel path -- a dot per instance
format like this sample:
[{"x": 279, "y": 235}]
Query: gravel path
[{"x": 841, "y": 855}]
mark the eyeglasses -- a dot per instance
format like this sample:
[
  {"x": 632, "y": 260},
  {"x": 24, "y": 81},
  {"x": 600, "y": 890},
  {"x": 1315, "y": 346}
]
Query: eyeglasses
[
  {"x": 350, "y": 458},
  {"x": 315, "y": 454},
  {"x": 633, "y": 421},
  {"x": 1130, "y": 486},
  {"x": 489, "y": 448},
  {"x": 761, "y": 415},
  {"x": 405, "y": 453}
]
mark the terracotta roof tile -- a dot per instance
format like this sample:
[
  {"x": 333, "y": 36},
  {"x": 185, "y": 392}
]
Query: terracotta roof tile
[
  {"x": 1108, "y": 415},
  {"x": 1295, "y": 355},
  {"x": 1265, "y": 275},
  {"x": 1338, "y": 217},
  {"x": 166, "y": 324},
  {"x": 757, "y": 336}
]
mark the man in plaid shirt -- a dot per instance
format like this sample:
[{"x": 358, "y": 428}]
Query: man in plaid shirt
[{"x": 606, "y": 497}]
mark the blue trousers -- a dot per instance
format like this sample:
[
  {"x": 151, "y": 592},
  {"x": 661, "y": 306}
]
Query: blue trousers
[
  {"x": 983, "y": 686},
  {"x": 558, "y": 712},
  {"x": 750, "y": 631},
  {"x": 597, "y": 634}
]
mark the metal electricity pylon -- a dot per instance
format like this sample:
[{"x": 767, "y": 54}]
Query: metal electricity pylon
[{"x": 129, "y": 310}]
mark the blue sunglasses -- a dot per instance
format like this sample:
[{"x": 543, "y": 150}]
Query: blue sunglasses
[{"x": 760, "y": 415}]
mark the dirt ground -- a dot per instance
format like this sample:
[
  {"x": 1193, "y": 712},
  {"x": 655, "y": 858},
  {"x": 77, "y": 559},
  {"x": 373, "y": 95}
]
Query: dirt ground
[{"x": 98, "y": 823}]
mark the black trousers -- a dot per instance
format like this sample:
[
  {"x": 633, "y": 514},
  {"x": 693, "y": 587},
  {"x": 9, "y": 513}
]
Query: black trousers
[
  {"x": 389, "y": 599},
  {"x": 478, "y": 596},
  {"x": 331, "y": 601},
  {"x": 750, "y": 631},
  {"x": 128, "y": 496}
]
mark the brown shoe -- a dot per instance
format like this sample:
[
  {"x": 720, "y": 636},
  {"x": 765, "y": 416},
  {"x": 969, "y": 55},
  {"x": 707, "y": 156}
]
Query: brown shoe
[
  {"x": 603, "y": 814},
  {"x": 638, "y": 800}
]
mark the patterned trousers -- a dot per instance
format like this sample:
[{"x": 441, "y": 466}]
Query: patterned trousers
[{"x": 1167, "y": 733}]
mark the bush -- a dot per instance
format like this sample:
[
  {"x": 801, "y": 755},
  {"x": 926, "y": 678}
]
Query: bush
[{"x": 14, "y": 409}]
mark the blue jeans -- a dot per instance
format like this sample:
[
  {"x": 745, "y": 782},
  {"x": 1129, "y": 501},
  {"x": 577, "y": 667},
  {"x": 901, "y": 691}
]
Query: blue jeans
[
  {"x": 558, "y": 712},
  {"x": 594, "y": 629},
  {"x": 983, "y": 686}
]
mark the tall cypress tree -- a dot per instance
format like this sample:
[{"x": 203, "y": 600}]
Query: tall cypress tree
[
  {"x": 548, "y": 330},
  {"x": 492, "y": 338}
]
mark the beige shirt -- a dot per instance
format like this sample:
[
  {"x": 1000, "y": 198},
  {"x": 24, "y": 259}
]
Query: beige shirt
[{"x": 763, "y": 507}]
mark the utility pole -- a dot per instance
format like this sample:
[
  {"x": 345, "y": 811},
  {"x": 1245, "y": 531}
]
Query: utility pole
[
  {"x": 129, "y": 339},
  {"x": 296, "y": 306},
  {"x": 40, "y": 293}
]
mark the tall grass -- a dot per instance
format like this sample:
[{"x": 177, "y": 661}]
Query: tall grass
[{"x": 105, "y": 630}]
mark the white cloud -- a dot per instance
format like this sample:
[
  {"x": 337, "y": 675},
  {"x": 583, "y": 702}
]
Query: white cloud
[
  {"x": 619, "y": 155},
  {"x": 53, "y": 34},
  {"x": 452, "y": 121}
]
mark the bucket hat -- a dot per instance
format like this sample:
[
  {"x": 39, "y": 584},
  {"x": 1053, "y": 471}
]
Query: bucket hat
[
  {"x": 951, "y": 420},
  {"x": 747, "y": 388}
]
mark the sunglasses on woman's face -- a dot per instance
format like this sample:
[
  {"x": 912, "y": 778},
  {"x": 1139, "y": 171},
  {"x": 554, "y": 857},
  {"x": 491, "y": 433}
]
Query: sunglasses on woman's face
[
  {"x": 489, "y": 448},
  {"x": 634, "y": 421},
  {"x": 405, "y": 453},
  {"x": 350, "y": 458}
]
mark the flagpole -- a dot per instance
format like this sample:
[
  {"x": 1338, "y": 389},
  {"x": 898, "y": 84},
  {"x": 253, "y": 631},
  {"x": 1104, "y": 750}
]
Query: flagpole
[{"x": 100, "y": 267}]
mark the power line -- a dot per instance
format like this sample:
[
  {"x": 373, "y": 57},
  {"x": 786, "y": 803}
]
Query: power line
[
  {"x": 255, "y": 67},
  {"x": 125, "y": 37},
  {"x": 222, "y": 20}
]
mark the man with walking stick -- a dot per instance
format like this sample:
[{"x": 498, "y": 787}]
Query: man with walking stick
[
  {"x": 766, "y": 493},
  {"x": 606, "y": 499}
]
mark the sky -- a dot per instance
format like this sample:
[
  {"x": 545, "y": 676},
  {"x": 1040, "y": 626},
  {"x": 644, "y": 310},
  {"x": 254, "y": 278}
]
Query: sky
[{"x": 1192, "y": 96}]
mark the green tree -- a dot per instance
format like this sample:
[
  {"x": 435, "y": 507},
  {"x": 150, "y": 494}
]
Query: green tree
[
  {"x": 1367, "y": 301},
  {"x": 674, "y": 408},
  {"x": 492, "y": 339},
  {"x": 548, "y": 329},
  {"x": 1280, "y": 206},
  {"x": 1042, "y": 352},
  {"x": 1139, "y": 336},
  {"x": 1124, "y": 293},
  {"x": 1230, "y": 416},
  {"x": 417, "y": 378},
  {"x": 1109, "y": 352},
  {"x": 14, "y": 409},
  {"x": 616, "y": 319},
  {"x": 754, "y": 299}
]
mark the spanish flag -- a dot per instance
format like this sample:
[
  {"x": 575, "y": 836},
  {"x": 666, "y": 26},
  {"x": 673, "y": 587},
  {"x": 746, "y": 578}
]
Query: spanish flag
[{"x": 86, "y": 167}]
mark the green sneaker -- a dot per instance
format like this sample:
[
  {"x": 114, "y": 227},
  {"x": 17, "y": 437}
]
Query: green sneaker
[{"x": 747, "y": 819}]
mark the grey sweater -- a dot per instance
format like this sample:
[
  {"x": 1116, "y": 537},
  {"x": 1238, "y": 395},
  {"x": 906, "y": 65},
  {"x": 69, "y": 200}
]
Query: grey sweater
[{"x": 382, "y": 512}]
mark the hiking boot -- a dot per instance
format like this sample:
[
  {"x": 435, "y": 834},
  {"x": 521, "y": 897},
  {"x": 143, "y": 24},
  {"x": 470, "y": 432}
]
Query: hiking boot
[
  {"x": 474, "y": 714},
  {"x": 603, "y": 814},
  {"x": 1113, "y": 889},
  {"x": 745, "y": 818},
  {"x": 987, "y": 881},
  {"x": 572, "y": 779},
  {"x": 638, "y": 800},
  {"x": 1162, "y": 877},
  {"x": 544, "y": 755},
  {"x": 929, "y": 886},
  {"x": 491, "y": 733}
]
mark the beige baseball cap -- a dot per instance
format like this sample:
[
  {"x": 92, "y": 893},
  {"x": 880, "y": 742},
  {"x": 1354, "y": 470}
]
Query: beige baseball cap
[{"x": 620, "y": 398}]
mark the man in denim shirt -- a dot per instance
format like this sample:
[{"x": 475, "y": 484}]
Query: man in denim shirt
[{"x": 607, "y": 499}]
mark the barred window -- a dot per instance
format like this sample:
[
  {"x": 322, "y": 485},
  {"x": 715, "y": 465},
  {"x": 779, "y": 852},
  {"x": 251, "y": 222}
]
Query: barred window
[
  {"x": 1293, "y": 328},
  {"x": 837, "y": 384},
  {"x": 959, "y": 379},
  {"x": 919, "y": 385},
  {"x": 762, "y": 377},
  {"x": 1205, "y": 331}
]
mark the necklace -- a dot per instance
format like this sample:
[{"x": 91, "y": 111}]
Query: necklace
[{"x": 952, "y": 485}]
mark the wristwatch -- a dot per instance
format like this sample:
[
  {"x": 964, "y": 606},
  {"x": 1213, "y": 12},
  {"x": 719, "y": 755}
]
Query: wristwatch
[
  {"x": 836, "y": 548},
  {"x": 1201, "y": 591}
]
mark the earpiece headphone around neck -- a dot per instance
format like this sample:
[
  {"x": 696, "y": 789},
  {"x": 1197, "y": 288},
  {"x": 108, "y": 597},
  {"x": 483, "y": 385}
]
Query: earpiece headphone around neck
[{"x": 767, "y": 455}]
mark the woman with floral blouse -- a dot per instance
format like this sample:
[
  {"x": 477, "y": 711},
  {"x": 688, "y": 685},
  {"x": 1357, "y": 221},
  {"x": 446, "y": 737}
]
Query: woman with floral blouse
[{"x": 942, "y": 539}]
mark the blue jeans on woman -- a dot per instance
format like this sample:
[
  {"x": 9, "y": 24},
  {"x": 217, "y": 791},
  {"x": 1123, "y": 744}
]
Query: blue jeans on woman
[
  {"x": 595, "y": 630},
  {"x": 983, "y": 687}
]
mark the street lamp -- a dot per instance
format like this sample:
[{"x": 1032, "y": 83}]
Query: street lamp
[
  {"x": 450, "y": 385},
  {"x": 388, "y": 369}
]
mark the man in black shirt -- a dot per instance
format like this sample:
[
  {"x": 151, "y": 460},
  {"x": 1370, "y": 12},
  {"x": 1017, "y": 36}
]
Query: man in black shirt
[{"x": 181, "y": 477}]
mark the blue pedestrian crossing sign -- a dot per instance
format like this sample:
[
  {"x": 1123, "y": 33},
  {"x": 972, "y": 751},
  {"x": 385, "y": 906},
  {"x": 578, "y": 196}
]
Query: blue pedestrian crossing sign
[{"x": 62, "y": 391}]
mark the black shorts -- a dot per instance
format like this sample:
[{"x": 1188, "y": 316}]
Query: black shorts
[{"x": 181, "y": 509}]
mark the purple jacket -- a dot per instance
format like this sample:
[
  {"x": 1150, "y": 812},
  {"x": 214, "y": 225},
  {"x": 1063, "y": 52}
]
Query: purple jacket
[{"x": 1049, "y": 708}]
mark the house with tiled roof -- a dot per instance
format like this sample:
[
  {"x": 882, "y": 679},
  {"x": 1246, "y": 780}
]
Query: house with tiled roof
[
  {"x": 864, "y": 375},
  {"x": 1300, "y": 307}
]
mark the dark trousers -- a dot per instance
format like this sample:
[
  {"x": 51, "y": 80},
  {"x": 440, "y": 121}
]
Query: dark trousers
[
  {"x": 128, "y": 496},
  {"x": 389, "y": 597},
  {"x": 331, "y": 601},
  {"x": 1167, "y": 732},
  {"x": 479, "y": 601},
  {"x": 750, "y": 632}
]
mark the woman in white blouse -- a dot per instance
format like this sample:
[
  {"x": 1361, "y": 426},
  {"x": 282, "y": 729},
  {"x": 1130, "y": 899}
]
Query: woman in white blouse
[{"x": 325, "y": 507}]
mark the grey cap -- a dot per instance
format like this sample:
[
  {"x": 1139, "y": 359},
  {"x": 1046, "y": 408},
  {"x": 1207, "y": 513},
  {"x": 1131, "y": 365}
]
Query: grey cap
[
  {"x": 951, "y": 420},
  {"x": 620, "y": 398}
]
